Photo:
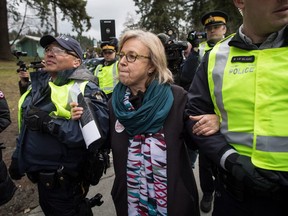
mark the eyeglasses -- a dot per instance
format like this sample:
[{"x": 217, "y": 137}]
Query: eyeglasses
[
  {"x": 131, "y": 56},
  {"x": 58, "y": 51}
]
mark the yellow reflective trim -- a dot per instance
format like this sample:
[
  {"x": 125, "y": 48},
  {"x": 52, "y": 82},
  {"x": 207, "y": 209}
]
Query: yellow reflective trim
[
  {"x": 61, "y": 99},
  {"x": 20, "y": 111},
  {"x": 214, "y": 19},
  {"x": 253, "y": 118}
]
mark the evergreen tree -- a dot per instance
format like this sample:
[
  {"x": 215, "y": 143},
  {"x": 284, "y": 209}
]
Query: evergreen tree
[
  {"x": 182, "y": 15},
  {"x": 200, "y": 7},
  {"x": 73, "y": 10},
  {"x": 159, "y": 16}
]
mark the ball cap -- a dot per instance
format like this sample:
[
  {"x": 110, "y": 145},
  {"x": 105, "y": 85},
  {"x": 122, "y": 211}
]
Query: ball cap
[
  {"x": 68, "y": 43},
  {"x": 214, "y": 18}
]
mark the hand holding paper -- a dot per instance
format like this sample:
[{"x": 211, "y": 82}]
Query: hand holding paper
[{"x": 82, "y": 111}]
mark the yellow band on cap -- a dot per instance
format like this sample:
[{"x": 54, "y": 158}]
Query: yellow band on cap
[
  {"x": 214, "y": 19},
  {"x": 108, "y": 47}
]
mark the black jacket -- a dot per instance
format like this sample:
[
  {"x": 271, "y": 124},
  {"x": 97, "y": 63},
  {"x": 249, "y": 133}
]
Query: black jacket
[
  {"x": 65, "y": 146},
  {"x": 182, "y": 192},
  {"x": 4, "y": 113},
  {"x": 188, "y": 69}
]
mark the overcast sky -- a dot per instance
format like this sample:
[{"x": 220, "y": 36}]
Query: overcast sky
[{"x": 104, "y": 9}]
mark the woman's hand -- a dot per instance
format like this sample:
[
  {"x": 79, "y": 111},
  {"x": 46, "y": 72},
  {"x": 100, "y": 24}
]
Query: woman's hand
[
  {"x": 76, "y": 111},
  {"x": 206, "y": 124}
]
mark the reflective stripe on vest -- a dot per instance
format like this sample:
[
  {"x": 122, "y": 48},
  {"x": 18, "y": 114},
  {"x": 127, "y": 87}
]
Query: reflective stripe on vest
[
  {"x": 107, "y": 77},
  {"x": 20, "y": 102},
  {"x": 250, "y": 93},
  {"x": 203, "y": 48},
  {"x": 60, "y": 97}
]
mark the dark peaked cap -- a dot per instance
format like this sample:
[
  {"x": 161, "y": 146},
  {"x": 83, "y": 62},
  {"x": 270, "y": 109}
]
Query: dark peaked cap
[{"x": 214, "y": 18}]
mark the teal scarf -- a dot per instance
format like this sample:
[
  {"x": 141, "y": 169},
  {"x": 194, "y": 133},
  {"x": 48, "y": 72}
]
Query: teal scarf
[{"x": 150, "y": 117}]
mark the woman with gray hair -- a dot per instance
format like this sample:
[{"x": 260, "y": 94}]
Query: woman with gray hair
[
  {"x": 152, "y": 170},
  {"x": 153, "y": 175}
]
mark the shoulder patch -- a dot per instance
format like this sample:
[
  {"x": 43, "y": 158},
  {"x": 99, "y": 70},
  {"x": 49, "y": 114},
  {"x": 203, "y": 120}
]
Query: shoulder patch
[
  {"x": 98, "y": 95},
  {"x": 1, "y": 95}
]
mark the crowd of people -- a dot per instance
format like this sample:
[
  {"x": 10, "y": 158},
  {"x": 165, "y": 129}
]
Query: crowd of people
[{"x": 230, "y": 110}]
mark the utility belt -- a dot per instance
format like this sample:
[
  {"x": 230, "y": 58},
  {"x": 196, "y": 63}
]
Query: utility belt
[
  {"x": 240, "y": 191},
  {"x": 52, "y": 178}
]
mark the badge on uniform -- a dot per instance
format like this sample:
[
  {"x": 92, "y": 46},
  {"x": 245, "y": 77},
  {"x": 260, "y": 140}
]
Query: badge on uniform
[
  {"x": 1, "y": 95},
  {"x": 119, "y": 127},
  {"x": 245, "y": 59},
  {"x": 98, "y": 95}
]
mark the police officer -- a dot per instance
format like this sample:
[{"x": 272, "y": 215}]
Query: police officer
[
  {"x": 50, "y": 147},
  {"x": 7, "y": 187},
  {"x": 107, "y": 70},
  {"x": 214, "y": 23},
  {"x": 244, "y": 80}
]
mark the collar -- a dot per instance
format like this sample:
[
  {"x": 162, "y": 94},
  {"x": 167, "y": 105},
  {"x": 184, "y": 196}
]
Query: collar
[
  {"x": 274, "y": 40},
  {"x": 108, "y": 63}
]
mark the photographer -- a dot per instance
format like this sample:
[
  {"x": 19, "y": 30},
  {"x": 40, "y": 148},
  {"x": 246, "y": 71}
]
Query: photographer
[
  {"x": 24, "y": 81},
  {"x": 174, "y": 51},
  {"x": 189, "y": 65}
]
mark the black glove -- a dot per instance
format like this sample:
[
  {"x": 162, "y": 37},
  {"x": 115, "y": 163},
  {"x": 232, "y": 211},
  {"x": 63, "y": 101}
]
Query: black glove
[
  {"x": 278, "y": 177},
  {"x": 106, "y": 158},
  {"x": 37, "y": 120},
  {"x": 14, "y": 170},
  {"x": 243, "y": 170},
  {"x": 96, "y": 165}
]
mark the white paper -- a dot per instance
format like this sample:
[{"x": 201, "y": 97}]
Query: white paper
[{"x": 87, "y": 122}]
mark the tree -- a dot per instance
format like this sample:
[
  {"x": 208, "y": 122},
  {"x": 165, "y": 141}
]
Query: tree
[
  {"x": 72, "y": 10},
  {"x": 130, "y": 23},
  {"x": 182, "y": 15},
  {"x": 200, "y": 7},
  {"x": 159, "y": 16}
]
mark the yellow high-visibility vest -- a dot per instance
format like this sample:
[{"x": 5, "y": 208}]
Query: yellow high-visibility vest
[
  {"x": 107, "y": 77},
  {"x": 60, "y": 97},
  {"x": 203, "y": 48},
  {"x": 250, "y": 94}
]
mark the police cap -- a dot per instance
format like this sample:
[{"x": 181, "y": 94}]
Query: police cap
[
  {"x": 214, "y": 18},
  {"x": 110, "y": 45}
]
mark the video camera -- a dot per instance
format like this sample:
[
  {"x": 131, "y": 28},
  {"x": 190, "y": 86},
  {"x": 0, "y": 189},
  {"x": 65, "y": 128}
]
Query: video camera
[
  {"x": 174, "y": 53},
  {"x": 18, "y": 54},
  {"x": 173, "y": 50},
  {"x": 194, "y": 37},
  {"x": 22, "y": 66}
]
